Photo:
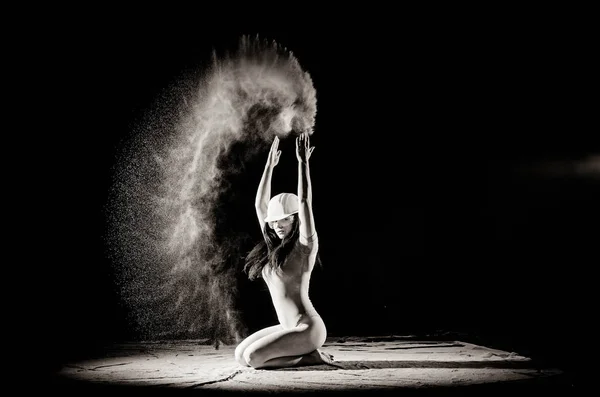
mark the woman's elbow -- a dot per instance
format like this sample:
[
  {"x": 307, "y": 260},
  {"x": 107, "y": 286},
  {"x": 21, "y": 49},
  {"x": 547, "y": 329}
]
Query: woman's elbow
[{"x": 305, "y": 201}]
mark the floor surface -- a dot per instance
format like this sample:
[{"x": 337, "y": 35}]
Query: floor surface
[{"x": 362, "y": 364}]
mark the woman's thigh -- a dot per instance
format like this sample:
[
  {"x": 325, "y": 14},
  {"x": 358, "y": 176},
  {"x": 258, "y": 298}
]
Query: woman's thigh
[
  {"x": 305, "y": 338},
  {"x": 239, "y": 350}
]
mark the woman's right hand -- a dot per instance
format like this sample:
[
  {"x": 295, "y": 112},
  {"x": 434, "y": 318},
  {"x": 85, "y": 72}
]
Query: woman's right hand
[{"x": 274, "y": 153}]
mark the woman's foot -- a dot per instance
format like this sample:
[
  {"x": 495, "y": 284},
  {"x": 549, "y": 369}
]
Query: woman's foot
[
  {"x": 316, "y": 357},
  {"x": 326, "y": 357}
]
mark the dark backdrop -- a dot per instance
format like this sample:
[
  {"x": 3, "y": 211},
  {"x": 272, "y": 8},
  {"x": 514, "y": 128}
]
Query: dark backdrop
[{"x": 428, "y": 218}]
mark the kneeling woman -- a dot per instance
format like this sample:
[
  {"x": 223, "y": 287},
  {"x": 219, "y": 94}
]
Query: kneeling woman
[{"x": 285, "y": 260}]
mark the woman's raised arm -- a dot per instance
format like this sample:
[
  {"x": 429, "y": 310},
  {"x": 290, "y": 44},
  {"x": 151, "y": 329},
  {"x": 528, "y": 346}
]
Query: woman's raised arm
[
  {"x": 263, "y": 194},
  {"x": 308, "y": 233}
]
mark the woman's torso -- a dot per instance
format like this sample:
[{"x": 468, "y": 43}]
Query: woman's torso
[{"x": 289, "y": 285}]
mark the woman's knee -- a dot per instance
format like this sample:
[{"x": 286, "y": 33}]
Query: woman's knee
[
  {"x": 252, "y": 358},
  {"x": 257, "y": 357},
  {"x": 239, "y": 356}
]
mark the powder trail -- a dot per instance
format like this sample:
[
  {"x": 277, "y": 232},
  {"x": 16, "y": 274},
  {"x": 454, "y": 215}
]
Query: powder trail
[{"x": 176, "y": 262}]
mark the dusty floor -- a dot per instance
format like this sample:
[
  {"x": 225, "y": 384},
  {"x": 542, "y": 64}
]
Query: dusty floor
[{"x": 371, "y": 364}]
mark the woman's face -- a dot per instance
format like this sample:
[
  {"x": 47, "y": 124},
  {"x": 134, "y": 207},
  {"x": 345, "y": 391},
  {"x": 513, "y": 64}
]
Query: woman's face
[{"x": 282, "y": 227}]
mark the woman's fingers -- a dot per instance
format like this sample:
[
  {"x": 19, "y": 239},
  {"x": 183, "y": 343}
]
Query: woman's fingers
[
  {"x": 303, "y": 144},
  {"x": 275, "y": 145}
]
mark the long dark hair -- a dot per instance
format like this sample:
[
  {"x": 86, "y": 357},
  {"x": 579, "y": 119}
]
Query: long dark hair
[{"x": 271, "y": 250}]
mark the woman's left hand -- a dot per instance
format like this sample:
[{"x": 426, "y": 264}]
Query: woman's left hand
[{"x": 303, "y": 148}]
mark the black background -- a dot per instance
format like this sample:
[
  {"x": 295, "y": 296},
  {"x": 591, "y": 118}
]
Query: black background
[{"x": 427, "y": 224}]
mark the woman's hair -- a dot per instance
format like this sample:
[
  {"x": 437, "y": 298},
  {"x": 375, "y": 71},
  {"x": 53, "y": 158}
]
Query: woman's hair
[{"x": 271, "y": 250}]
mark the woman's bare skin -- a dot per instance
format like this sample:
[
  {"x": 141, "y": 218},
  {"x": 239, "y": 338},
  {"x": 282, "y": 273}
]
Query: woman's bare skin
[{"x": 296, "y": 340}]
